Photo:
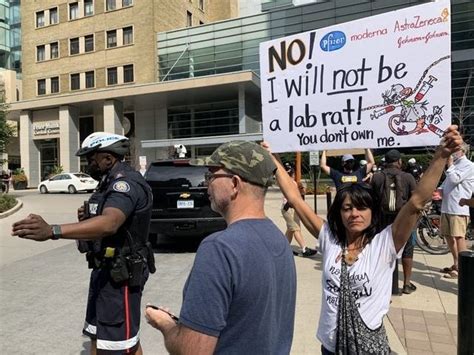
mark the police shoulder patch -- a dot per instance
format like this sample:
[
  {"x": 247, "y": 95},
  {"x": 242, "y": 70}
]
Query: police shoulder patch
[{"x": 121, "y": 186}]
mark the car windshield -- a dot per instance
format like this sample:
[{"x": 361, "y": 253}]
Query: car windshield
[
  {"x": 192, "y": 176},
  {"x": 82, "y": 176}
]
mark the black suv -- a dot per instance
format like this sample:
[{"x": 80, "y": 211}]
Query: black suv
[{"x": 181, "y": 206}]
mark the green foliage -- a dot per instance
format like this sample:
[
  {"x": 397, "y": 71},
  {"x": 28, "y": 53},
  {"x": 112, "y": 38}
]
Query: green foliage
[
  {"x": 6, "y": 132},
  {"x": 7, "y": 202},
  {"x": 57, "y": 169},
  {"x": 19, "y": 175}
]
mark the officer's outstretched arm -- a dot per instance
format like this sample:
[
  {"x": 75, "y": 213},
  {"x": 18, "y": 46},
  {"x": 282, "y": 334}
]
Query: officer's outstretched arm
[
  {"x": 34, "y": 227},
  {"x": 96, "y": 227}
]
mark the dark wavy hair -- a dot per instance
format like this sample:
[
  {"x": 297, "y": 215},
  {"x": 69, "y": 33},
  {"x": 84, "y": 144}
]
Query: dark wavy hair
[{"x": 362, "y": 196}]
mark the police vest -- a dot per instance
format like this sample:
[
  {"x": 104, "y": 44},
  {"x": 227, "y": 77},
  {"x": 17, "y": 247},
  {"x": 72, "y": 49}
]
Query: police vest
[{"x": 133, "y": 233}]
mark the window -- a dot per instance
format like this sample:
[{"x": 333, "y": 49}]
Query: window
[
  {"x": 127, "y": 35},
  {"x": 201, "y": 4},
  {"x": 54, "y": 50},
  {"x": 89, "y": 43},
  {"x": 55, "y": 85},
  {"x": 90, "y": 79},
  {"x": 53, "y": 16},
  {"x": 110, "y": 5},
  {"x": 128, "y": 73},
  {"x": 40, "y": 19},
  {"x": 40, "y": 51},
  {"x": 41, "y": 86},
  {"x": 88, "y": 7},
  {"x": 73, "y": 10},
  {"x": 75, "y": 82},
  {"x": 126, "y": 3},
  {"x": 111, "y": 76},
  {"x": 74, "y": 46},
  {"x": 189, "y": 21},
  {"x": 112, "y": 39}
]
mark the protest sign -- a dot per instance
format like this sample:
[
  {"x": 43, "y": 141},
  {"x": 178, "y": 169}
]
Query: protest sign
[{"x": 379, "y": 82}]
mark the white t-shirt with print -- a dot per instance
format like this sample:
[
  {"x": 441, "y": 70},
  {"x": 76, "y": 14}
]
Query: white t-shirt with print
[{"x": 370, "y": 278}]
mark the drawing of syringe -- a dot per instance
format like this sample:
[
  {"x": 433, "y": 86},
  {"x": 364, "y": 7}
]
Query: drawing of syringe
[{"x": 425, "y": 88}]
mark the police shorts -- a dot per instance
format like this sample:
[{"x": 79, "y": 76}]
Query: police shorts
[
  {"x": 453, "y": 225},
  {"x": 113, "y": 313},
  {"x": 292, "y": 223}
]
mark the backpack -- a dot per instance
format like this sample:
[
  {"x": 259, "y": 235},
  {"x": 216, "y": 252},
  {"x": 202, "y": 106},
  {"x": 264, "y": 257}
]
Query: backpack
[{"x": 392, "y": 196}]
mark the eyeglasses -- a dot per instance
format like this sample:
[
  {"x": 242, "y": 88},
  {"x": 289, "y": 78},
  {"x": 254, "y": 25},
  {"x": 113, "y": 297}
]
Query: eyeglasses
[{"x": 209, "y": 177}]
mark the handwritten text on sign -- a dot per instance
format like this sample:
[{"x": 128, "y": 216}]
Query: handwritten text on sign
[{"x": 383, "y": 81}]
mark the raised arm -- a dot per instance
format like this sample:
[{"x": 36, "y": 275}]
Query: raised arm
[
  {"x": 369, "y": 157},
  {"x": 408, "y": 215},
  {"x": 312, "y": 221},
  {"x": 323, "y": 164}
]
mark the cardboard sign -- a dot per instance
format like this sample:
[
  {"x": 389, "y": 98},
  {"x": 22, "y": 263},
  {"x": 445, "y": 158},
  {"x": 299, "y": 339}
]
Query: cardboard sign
[{"x": 379, "y": 82}]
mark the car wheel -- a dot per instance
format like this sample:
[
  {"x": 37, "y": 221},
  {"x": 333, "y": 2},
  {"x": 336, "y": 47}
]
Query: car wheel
[
  {"x": 71, "y": 189},
  {"x": 43, "y": 189}
]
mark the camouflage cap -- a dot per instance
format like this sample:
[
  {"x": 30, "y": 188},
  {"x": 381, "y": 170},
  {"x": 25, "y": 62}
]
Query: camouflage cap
[{"x": 247, "y": 159}]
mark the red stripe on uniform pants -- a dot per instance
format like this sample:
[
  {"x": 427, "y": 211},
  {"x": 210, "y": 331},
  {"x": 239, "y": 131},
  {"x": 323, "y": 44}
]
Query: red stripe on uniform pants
[{"x": 127, "y": 316}]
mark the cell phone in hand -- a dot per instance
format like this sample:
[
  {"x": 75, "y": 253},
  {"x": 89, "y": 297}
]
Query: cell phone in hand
[{"x": 173, "y": 317}]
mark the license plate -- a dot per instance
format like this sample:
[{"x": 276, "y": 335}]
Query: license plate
[{"x": 185, "y": 203}]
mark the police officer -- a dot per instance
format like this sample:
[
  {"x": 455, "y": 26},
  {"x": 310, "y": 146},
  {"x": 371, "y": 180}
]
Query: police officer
[{"x": 113, "y": 232}]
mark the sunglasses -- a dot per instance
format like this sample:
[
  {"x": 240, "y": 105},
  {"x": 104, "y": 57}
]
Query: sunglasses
[{"x": 209, "y": 177}]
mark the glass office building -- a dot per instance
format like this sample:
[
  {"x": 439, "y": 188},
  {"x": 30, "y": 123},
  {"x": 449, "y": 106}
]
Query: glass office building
[
  {"x": 10, "y": 35},
  {"x": 233, "y": 46}
]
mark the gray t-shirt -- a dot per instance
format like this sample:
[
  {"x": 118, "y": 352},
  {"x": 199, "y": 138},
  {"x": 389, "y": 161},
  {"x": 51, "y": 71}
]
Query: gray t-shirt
[{"x": 242, "y": 289}]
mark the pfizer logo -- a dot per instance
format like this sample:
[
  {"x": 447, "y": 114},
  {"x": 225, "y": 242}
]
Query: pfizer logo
[{"x": 333, "y": 41}]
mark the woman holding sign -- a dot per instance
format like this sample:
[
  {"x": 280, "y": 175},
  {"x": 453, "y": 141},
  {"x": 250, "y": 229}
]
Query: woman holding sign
[{"x": 359, "y": 258}]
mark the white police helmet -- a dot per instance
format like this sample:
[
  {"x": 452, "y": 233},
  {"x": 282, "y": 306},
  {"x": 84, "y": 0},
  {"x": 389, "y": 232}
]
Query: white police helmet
[
  {"x": 104, "y": 142},
  {"x": 363, "y": 162},
  {"x": 412, "y": 161}
]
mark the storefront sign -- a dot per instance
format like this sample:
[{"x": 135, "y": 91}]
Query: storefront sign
[
  {"x": 378, "y": 82},
  {"x": 45, "y": 128}
]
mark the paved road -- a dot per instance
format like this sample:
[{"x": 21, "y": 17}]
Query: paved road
[{"x": 44, "y": 285}]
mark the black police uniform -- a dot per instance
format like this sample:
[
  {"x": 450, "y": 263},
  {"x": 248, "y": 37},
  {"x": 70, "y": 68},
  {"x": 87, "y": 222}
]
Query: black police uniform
[{"x": 120, "y": 263}]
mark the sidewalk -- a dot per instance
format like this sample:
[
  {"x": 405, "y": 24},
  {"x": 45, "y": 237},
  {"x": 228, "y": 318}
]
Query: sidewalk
[{"x": 423, "y": 322}]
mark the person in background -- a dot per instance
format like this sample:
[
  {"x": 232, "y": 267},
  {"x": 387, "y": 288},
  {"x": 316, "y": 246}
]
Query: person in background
[
  {"x": 466, "y": 202},
  {"x": 393, "y": 167},
  {"x": 359, "y": 256},
  {"x": 293, "y": 228},
  {"x": 368, "y": 176},
  {"x": 240, "y": 295},
  {"x": 348, "y": 174},
  {"x": 5, "y": 180},
  {"x": 415, "y": 169},
  {"x": 458, "y": 185}
]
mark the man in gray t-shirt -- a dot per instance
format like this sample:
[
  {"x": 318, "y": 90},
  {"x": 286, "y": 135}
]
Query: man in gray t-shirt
[{"x": 240, "y": 295}]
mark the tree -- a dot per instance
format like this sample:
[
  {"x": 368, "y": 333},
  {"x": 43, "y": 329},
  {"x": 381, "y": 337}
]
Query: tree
[
  {"x": 463, "y": 117},
  {"x": 6, "y": 131}
]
